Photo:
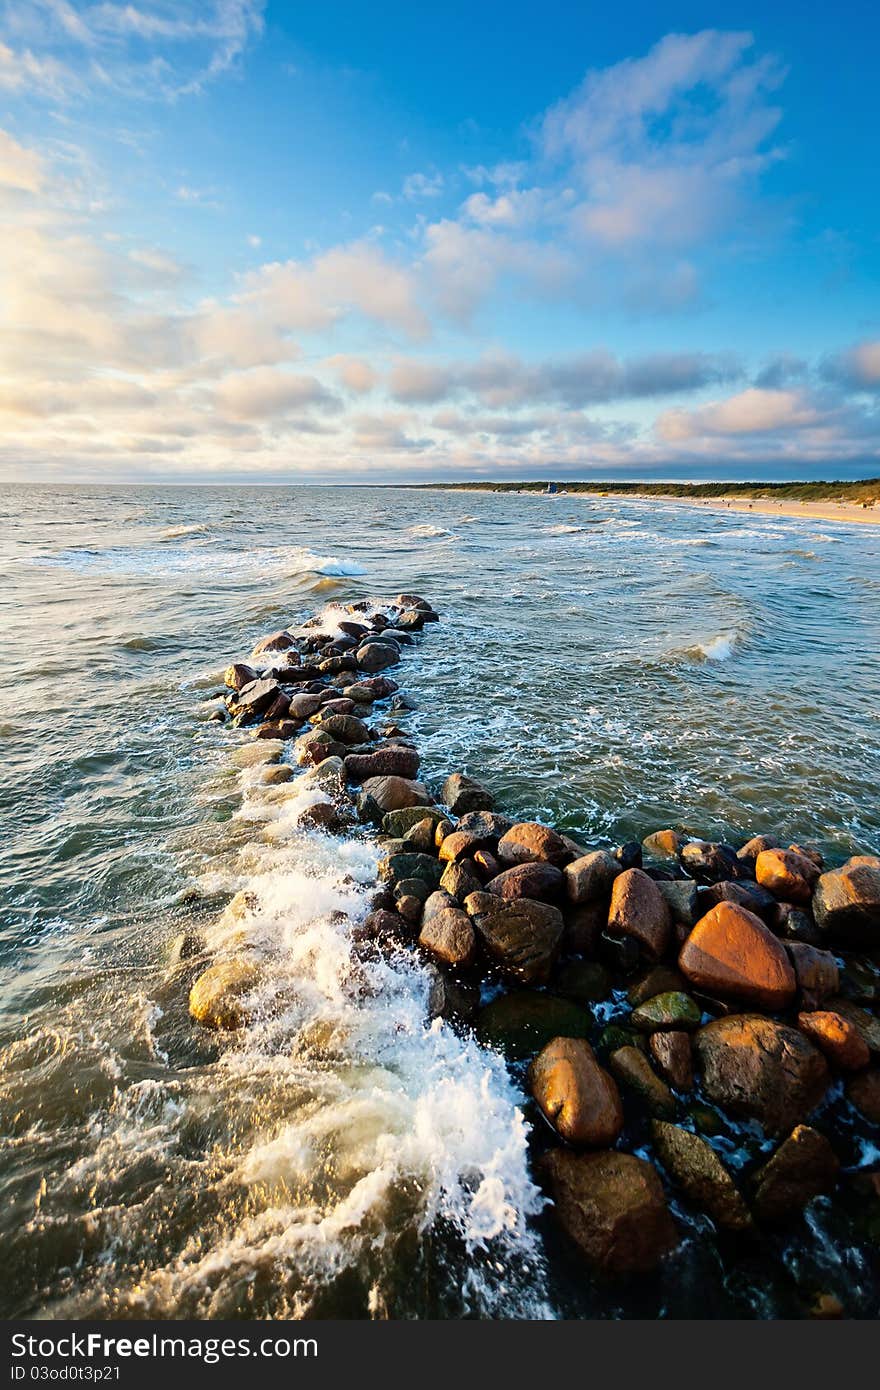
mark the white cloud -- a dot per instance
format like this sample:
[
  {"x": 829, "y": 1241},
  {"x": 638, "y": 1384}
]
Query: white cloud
[
  {"x": 423, "y": 186},
  {"x": 753, "y": 411}
]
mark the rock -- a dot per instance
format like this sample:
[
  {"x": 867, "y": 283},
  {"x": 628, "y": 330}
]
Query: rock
[
  {"x": 410, "y": 908},
  {"x": 449, "y": 997},
  {"x": 763, "y": 1070},
  {"x": 421, "y": 836},
  {"x": 590, "y": 877},
  {"x": 381, "y": 925},
  {"x": 753, "y": 847},
  {"x": 865, "y": 1024},
  {"x": 437, "y": 902},
  {"x": 275, "y": 775},
  {"x": 663, "y": 844},
  {"x": 584, "y": 926},
  {"x": 732, "y": 954},
  {"x": 801, "y": 1168},
  {"x": 629, "y": 856},
  {"x": 748, "y": 895},
  {"x": 384, "y": 762},
  {"x": 666, "y": 1012},
  {"x": 275, "y": 642},
  {"x": 303, "y": 706},
  {"x": 375, "y": 656},
  {"x": 283, "y": 729},
  {"x": 847, "y": 902},
  {"x": 216, "y": 998},
  {"x": 486, "y": 864},
  {"x": 660, "y": 979},
  {"x": 327, "y": 775},
  {"x": 816, "y": 973},
  {"x": 254, "y": 754},
  {"x": 395, "y": 793},
  {"x": 612, "y": 1206},
  {"x": 347, "y": 728},
  {"x": 694, "y": 1166},
  {"x": 522, "y": 936},
  {"x": 400, "y": 866},
  {"x": 795, "y": 924},
  {"x": 256, "y": 697},
  {"x": 542, "y": 882},
  {"x": 708, "y": 861},
  {"x": 449, "y": 937},
  {"x": 315, "y": 746},
  {"x": 863, "y": 1091},
  {"x": 528, "y": 842},
  {"x": 462, "y": 794},
  {"x": 577, "y": 1096},
  {"x": 840, "y": 1041},
  {"x": 671, "y": 1052},
  {"x": 460, "y": 844},
  {"x": 638, "y": 910},
  {"x": 321, "y": 815},
  {"x": 521, "y": 1023},
  {"x": 585, "y": 981},
  {"x": 237, "y": 676},
  {"x": 461, "y": 879},
  {"x": 488, "y": 826},
  {"x": 414, "y": 888},
  {"x": 340, "y": 666},
  {"x": 397, "y": 823},
  {"x": 634, "y": 1071},
  {"x": 786, "y": 875},
  {"x": 681, "y": 897}
]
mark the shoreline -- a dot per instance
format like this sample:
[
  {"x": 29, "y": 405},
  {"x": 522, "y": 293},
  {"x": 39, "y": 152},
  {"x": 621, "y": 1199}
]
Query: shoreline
[{"x": 850, "y": 512}]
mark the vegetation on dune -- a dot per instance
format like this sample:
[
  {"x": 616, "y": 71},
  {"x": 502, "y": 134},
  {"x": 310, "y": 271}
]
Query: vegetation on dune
[{"x": 865, "y": 491}]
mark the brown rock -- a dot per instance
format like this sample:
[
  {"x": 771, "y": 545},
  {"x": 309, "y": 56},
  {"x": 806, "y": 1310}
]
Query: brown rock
[
  {"x": 542, "y": 882},
  {"x": 421, "y": 835},
  {"x": 590, "y": 877},
  {"x": 841, "y": 1043},
  {"x": 865, "y": 1024},
  {"x": 238, "y": 675},
  {"x": 612, "y": 1206},
  {"x": 393, "y": 793},
  {"x": 634, "y": 1071},
  {"x": 275, "y": 642},
  {"x": 436, "y": 902},
  {"x": 346, "y": 728},
  {"x": 216, "y": 998},
  {"x": 764, "y": 1070},
  {"x": 449, "y": 937},
  {"x": 303, "y": 706},
  {"x": 638, "y": 909},
  {"x": 458, "y": 845},
  {"x": 528, "y": 842},
  {"x": 660, "y": 979},
  {"x": 583, "y": 927},
  {"x": 847, "y": 901},
  {"x": 461, "y": 879},
  {"x": 462, "y": 794},
  {"x": 731, "y": 953},
  {"x": 863, "y": 1091},
  {"x": 372, "y": 656},
  {"x": 384, "y": 762},
  {"x": 663, "y": 844},
  {"x": 577, "y": 1096},
  {"x": 671, "y": 1053},
  {"x": 786, "y": 874},
  {"x": 522, "y": 936},
  {"x": 753, "y": 847},
  {"x": 486, "y": 863},
  {"x": 695, "y": 1167},
  {"x": 816, "y": 972},
  {"x": 802, "y": 1167}
]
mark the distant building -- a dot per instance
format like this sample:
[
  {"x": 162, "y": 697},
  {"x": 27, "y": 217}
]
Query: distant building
[{"x": 551, "y": 487}]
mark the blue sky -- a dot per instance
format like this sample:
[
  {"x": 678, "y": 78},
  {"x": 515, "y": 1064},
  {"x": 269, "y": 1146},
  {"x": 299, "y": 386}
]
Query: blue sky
[{"x": 347, "y": 241}]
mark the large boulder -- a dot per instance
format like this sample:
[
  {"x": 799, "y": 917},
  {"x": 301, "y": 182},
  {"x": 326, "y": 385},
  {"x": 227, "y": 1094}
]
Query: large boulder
[
  {"x": 397, "y": 761},
  {"x": 275, "y": 642},
  {"x": 639, "y": 910},
  {"x": 217, "y": 997},
  {"x": 522, "y": 936},
  {"x": 613, "y": 1207},
  {"x": 373, "y": 656},
  {"x": 761, "y": 1069},
  {"x": 786, "y": 874},
  {"x": 394, "y": 793},
  {"x": 732, "y": 954},
  {"x": 801, "y": 1168},
  {"x": 448, "y": 935},
  {"x": 527, "y": 842},
  {"x": 460, "y": 879},
  {"x": 462, "y": 794},
  {"x": 238, "y": 675},
  {"x": 590, "y": 877},
  {"x": 542, "y": 882},
  {"x": 837, "y": 1037},
  {"x": 255, "y": 697},
  {"x": 694, "y": 1166},
  {"x": 577, "y": 1096},
  {"x": 846, "y": 903}
]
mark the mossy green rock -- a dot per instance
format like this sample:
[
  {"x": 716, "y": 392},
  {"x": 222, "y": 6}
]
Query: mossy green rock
[
  {"x": 397, "y": 823},
  {"x": 613, "y": 1036},
  {"x": 705, "y": 1119},
  {"x": 665, "y": 1011},
  {"x": 585, "y": 981},
  {"x": 521, "y": 1023},
  {"x": 396, "y": 867}
]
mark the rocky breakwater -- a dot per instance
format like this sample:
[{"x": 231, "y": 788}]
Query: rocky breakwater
[{"x": 695, "y": 1024}]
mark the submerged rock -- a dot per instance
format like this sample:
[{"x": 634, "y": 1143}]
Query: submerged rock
[
  {"x": 731, "y": 953},
  {"x": 216, "y": 998},
  {"x": 577, "y": 1096},
  {"x": 521, "y": 1023},
  {"x": 800, "y": 1169},
  {"x": 761, "y": 1069},
  {"x": 695, "y": 1167},
  {"x": 613, "y": 1207}
]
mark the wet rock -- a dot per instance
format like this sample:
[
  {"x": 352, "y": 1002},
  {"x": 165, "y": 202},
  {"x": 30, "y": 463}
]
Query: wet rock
[
  {"x": 486, "y": 864},
  {"x": 488, "y": 826},
  {"x": 816, "y": 972},
  {"x": 612, "y": 1206},
  {"x": 283, "y": 729},
  {"x": 315, "y": 746},
  {"x": 341, "y": 666},
  {"x": 327, "y": 776},
  {"x": 401, "y": 866},
  {"x": 761, "y": 1069},
  {"x": 695, "y": 1168},
  {"x": 590, "y": 877},
  {"x": 421, "y": 836},
  {"x": 322, "y": 815},
  {"x": 375, "y": 656},
  {"x": 436, "y": 902},
  {"x": 865, "y": 1024},
  {"x": 804, "y": 1166},
  {"x": 275, "y": 642},
  {"x": 663, "y": 844},
  {"x": 585, "y": 981},
  {"x": 238, "y": 675},
  {"x": 863, "y": 1091},
  {"x": 577, "y": 1096},
  {"x": 460, "y": 879},
  {"x": 542, "y": 882},
  {"x": 442, "y": 828},
  {"x": 635, "y": 1073},
  {"x": 840, "y": 1041},
  {"x": 395, "y": 793},
  {"x": 217, "y": 997},
  {"x": 463, "y": 794},
  {"x": 276, "y": 774},
  {"x": 449, "y": 997},
  {"x": 638, "y": 910},
  {"x": 254, "y": 754},
  {"x": 847, "y": 901},
  {"x": 671, "y": 1054},
  {"x": 743, "y": 894},
  {"x": 521, "y": 1023},
  {"x": 629, "y": 856},
  {"x": 414, "y": 888},
  {"x": 708, "y": 861},
  {"x": 786, "y": 874},
  {"x": 666, "y": 1012},
  {"x": 523, "y": 936},
  {"x": 681, "y": 897},
  {"x": 584, "y": 926},
  {"x": 382, "y": 924},
  {"x": 660, "y": 979},
  {"x": 346, "y": 728},
  {"x": 459, "y": 844},
  {"x": 795, "y": 924},
  {"x": 527, "y": 842},
  {"x": 753, "y": 847},
  {"x": 303, "y": 706},
  {"x": 397, "y": 823},
  {"x": 254, "y": 698},
  {"x": 449, "y": 937},
  {"x": 384, "y": 762},
  {"x": 732, "y": 954}
]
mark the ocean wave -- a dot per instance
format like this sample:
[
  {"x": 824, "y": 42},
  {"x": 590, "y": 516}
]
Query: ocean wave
[
  {"x": 426, "y": 531},
  {"x": 721, "y": 647},
  {"x": 175, "y": 533}
]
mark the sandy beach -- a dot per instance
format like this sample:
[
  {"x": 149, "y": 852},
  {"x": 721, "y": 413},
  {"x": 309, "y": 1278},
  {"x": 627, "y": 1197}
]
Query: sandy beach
[{"x": 805, "y": 511}]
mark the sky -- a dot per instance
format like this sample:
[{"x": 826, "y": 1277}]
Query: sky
[{"x": 353, "y": 242}]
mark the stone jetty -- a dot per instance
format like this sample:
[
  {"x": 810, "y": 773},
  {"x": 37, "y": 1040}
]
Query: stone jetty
[{"x": 696, "y": 1024}]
